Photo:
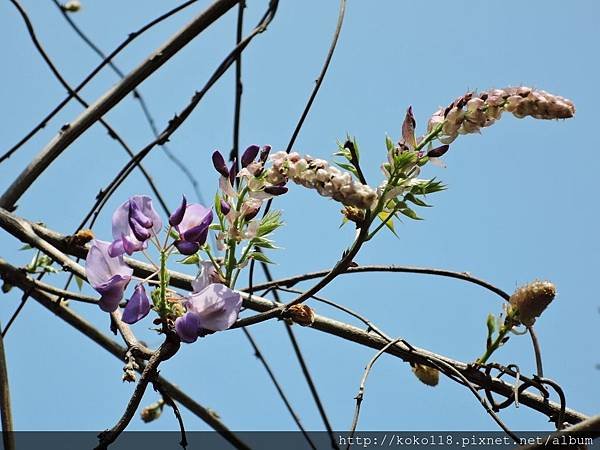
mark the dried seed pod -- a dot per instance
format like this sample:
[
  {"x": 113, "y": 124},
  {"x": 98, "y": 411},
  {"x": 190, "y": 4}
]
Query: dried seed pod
[
  {"x": 427, "y": 375},
  {"x": 532, "y": 299}
]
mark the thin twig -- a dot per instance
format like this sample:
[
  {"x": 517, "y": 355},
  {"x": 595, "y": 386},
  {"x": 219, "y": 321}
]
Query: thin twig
[
  {"x": 137, "y": 95},
  {"x": 361, "y": 388},
  {"x": 589, "y": 428},
  {"x": 537, "y": 352},
  {"x": 22, "y": 229},
  {"x": 169, "y": 401},
  {"x": 180, "y": 118},
  {"x": 130, "y": 38},
  {"x": 50, "y": 302},
  {"x": 150, "y": 372},
  {"x": 282, "y": 395},
  {"x": 8, "y": 438},
  {"x": 111, "y": 132},
  {"x": 300, "y": 357},
  {"x": 234, "y": 155},
  {"x": 465, "y": 276},
  {"x": 111, "y": 98}
]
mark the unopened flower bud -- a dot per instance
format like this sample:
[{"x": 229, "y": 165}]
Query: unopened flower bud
[
  {"x": 177, "y": 216},
  {"x": 225, "y": 207},
  {"x": 219, "y": 163},
  {"x": 301, "y": 314},
  {"x": 249, "y": 155},
  {"x": 153, "y": 411},
  {"x": 264, "y": 153},
  {"x": 233, "y": 171},
  {"x": 71, "y": 6},
  {"x": 532, "y": 299},
  {"x": 427, "y": 375},
  {"x": 276, "y": 190},
  {"x": 438, "y": 151},
  {"x": 251, "y": 213}
]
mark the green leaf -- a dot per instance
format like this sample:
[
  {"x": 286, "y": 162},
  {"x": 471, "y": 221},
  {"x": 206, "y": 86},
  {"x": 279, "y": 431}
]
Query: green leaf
[
  {"x": 344, "y": 221},
  {"x": 383, "y": 215},
  {"x": 264, "y": 243},
  {"x": 491, "y": 324},
  {"x": 348, "y": 167},
  {"x": 269, "y": 223},
  {"x": 389, "y": 144},
  {"x": 410, "y": 213},
  {"x": 192, "y": 259},
  {"x": 417, "y": 201},
  {"x": 218, "y": 205},
  {"x": 79, "y": 282},
  {"x": 260, "y": 257},
  {"x": 26, "y": 247}
]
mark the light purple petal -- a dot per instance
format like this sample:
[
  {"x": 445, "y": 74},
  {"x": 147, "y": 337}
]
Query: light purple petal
[
  {"x": 137, "y": 307},
  {"x": 187, "y": 327},
  {"x": 145, "y": 204},
  {"x": 138, "y": 215},
  {"x": 195, "y": 215},
  {"x": 217, "y": 306},
  {"x": 205, "y": 276},
  {"x": 100, "y": 267},
  {"x": 112, "y": 292},
  {"x": 143, "y": 212}
]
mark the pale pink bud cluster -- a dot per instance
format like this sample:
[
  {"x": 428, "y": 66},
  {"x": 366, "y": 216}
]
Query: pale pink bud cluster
[
  {"x": 471, "y": 112},
  {"x": 318, "y": 174}
]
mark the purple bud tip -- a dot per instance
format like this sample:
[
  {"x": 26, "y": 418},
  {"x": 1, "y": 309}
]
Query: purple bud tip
[
  {"x": 276, "y": 190},
  {"x": 187, "y": 247},
  {"x": 438, "y": 151},
  {"x": 249, "y": 155},
  {"x": 233, "y": 171},
  {"x": 177, "y": 216},
  {"x": 251, "y": 214},
  {"x": 219, "y": 163},
  {"x": 225, "y": 207},
  {"x": 264, "y": 153}
]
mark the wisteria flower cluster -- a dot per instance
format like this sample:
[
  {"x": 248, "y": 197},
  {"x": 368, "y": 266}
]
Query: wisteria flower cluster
[
  {"x": 212, "y": 305},
  {"x": 242, "y": 236}
]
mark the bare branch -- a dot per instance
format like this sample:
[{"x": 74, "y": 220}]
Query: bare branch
[
  {"x": 112, "y": 98},
  {"x": 284, "y": 398},
  {"x": 465, "y": 276},
  {"x": 137, "y": 95},
  {"x": 22, "y": 229},
  {"x": 130, "y": 38},
  {"x": 150, "y": 372},
  {"x": 8, "y": 438},
  {"x": 50, "y": 302},
  {"x": 111, "y": 131}
]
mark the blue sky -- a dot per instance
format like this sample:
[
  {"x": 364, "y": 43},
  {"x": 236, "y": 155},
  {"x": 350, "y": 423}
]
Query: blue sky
[{"x": 521, "y": 203}]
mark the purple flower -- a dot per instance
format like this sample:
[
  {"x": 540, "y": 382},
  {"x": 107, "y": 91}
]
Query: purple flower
[
  {"x": 206, "y": 276},
  {"x": 250, "y": 155},
  {"x": 133, "y": 223},
  {"x": 214, "y": 308},
  {"x": 219, "y": 163},
  {"x": 107, "y": 275},
  {"x": 177, "y": 216},
  {"x": 137, "y": 307},
  {"x": 193, "y": 228}
]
